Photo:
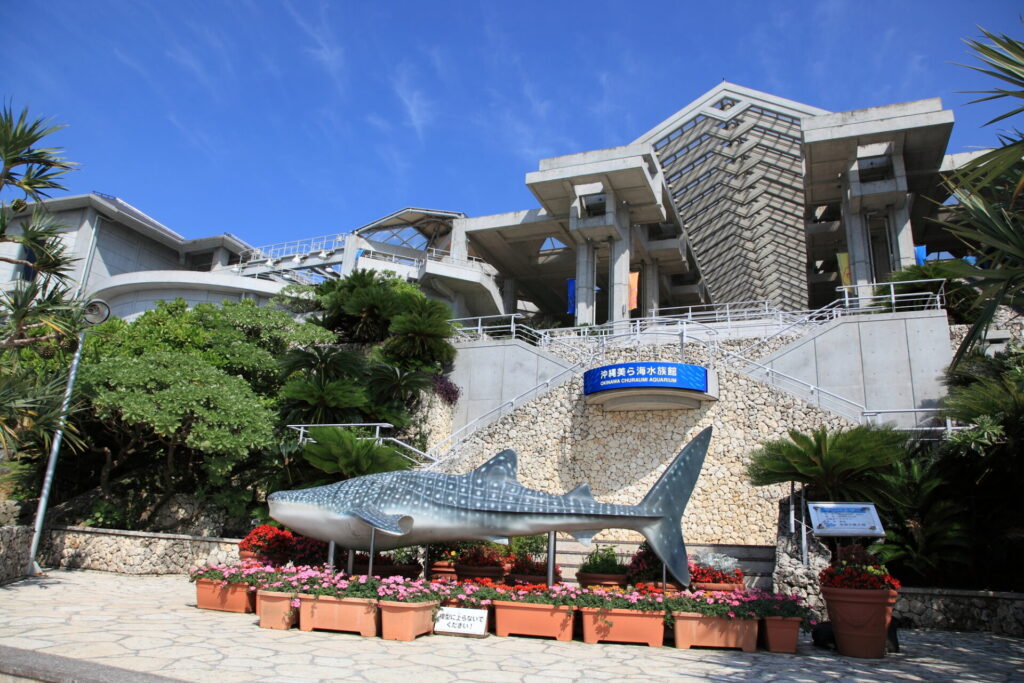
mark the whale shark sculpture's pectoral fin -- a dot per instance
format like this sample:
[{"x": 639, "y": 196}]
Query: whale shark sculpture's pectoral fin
[{"x": 395, "y": 525}]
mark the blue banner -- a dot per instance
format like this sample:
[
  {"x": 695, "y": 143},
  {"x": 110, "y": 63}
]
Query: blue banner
[
  {"x": 646, "y": 375},
  {"x": 571, "y": 283}
]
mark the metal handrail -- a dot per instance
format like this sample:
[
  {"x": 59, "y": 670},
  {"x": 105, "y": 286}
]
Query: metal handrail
[{"x": 303, "y": 431}]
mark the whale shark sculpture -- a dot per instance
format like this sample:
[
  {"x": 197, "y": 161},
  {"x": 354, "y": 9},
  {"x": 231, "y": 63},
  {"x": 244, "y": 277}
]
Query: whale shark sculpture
[{"x": 489, "y": 503}]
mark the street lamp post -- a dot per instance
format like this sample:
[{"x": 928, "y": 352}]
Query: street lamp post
[{"x": 96, "y": 311}]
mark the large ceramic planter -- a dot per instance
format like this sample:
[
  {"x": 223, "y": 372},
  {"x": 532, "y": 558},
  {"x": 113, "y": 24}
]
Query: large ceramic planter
[
  {"x": 528, "y": 619},
  {"x": 465, "y": 571},
  {"x": 623, "y": 626},
  {"x": 606, "y": 580},
  {"x": 780, "y": 633},
  {"x": 234, "y": 597},
  {"x": 693, "y": 629},
  {"x": 339, "y": 614},
  {"x": 276, "y": 610},
  {"x": 860, "y": 619},
  {"x": 406, "y": 620},
  {"x": 703, "y": 586}
]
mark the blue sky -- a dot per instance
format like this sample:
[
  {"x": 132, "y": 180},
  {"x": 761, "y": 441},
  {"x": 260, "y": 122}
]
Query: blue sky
[{"x": 281, "y": 120}]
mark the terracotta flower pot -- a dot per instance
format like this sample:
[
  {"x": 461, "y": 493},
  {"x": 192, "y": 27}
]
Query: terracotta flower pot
[
  {"x": 234, "y": 597},
  {"x": 702, "y": 586},
  {"x": 780, "y": 633},
  {"x": 623, "y": 626},
  {"x": 440, "y": 569},
  {"x": 465, "y": 571},
  {"x": 528, "y": 619},
  {"x": 339, "y": 614},
  {"x": 703, "y": 631},
  {"x": 406, "y": 620},
  {"x": 610, "y": 580},
  {"x": 276, "y": 610},
  {"x": 247, "y": 556},
  {"x": 860, "y": 619}
]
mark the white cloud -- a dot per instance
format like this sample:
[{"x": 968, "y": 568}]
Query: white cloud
[{"x": 419, "y": 109}]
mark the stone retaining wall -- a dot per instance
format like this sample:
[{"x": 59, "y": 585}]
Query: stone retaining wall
[
  {"x": 961, "y": 610},
  {"x": 132, "y": 552},
  {"x": 562, "y": 442},
  {"x": 15, "y": 542}
]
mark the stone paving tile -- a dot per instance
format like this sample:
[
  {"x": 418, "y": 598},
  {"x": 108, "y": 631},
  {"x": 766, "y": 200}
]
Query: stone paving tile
[{"x": 150, "y": 624}]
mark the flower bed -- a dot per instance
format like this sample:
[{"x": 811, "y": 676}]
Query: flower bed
[{"x": 399, "y": 608}]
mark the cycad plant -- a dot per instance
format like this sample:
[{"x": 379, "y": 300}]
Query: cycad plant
[
  {"x": 839, "y": 466},
  {"x": 346, "y": 453},
  {"x": 926, "y": 537},
  {"x": 419, "y": 336}
]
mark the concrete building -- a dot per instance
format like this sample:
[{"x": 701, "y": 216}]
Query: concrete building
[
  {"x": 740, "y": 196},
  {"x": 132, "y": 261}
]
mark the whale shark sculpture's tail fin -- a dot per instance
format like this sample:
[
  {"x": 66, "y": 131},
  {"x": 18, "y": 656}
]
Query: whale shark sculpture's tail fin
[{"x": 667, "y": 499}]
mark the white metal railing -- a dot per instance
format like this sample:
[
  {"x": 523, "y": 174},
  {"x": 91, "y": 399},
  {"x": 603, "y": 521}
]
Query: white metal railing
[
  {"x": 423, "y": 458},
  {"x": 326, "y": 243},
  {"x": 882, "y": 296},
  {"x": 737, "y": 310}
]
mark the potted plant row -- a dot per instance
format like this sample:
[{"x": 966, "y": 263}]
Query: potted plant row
[{"x": 399, "y": 608}]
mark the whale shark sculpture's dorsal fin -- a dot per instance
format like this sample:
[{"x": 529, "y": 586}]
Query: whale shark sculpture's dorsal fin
[
  {"x": 581, "y": 492},
  {"x": 500, "y": 467},
  {"x": 394, "y": 525}
]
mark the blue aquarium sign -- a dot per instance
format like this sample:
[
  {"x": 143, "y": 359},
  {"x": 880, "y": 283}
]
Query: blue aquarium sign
[{"x": 646, "y": 376}]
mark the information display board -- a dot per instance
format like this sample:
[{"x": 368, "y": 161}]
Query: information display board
[
  {"x": 646, "y": 375},
  {"x": 461, "y": 621},
  {"x": 845, "y": 519}
]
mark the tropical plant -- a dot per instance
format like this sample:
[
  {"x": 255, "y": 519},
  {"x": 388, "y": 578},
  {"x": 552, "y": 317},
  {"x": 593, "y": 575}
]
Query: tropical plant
[
  {"x": 925, "y": 530},
  {"x": 987, "y": 215},
  {"x": 345, "y": 452},
  {"x": 603, "y": 560},
  {"x": 481, "y": 554},
  {"x": 838, "y": 466},
  {"x": 318, "y": 400}
]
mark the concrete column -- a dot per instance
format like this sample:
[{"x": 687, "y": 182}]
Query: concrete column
[
  {"x": 901, "y": 233},
  {"x": 352, "y": 246},
  {"x": 650, "y": 289},
  {"x": 858, "y": 244},
  {"x": 460, "y": 245},
  {"x": 586, "y": 279},
  {"x": 619, "y": 280},
  {"x": 508, "y": 296}
]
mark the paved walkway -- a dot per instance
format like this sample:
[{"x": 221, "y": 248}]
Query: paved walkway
[{"x": 94, "y": 626}]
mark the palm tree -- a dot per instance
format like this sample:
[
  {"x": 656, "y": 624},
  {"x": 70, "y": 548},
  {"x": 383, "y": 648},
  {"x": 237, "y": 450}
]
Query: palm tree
[
  {"x": 836, "y": 466},
  {"x": 37, "y": 310},
  {"x": 319, "y": 400},
  {"x": 988, "y": 216}
]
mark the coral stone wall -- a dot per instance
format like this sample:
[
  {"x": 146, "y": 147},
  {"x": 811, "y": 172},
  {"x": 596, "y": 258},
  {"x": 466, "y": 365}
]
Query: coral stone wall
[
  {"x": 562, "y": 442},
  {"x": 132, "y": 552},
  {"x": 15, "y": 542},
  {"x": 960, "y": 610}
]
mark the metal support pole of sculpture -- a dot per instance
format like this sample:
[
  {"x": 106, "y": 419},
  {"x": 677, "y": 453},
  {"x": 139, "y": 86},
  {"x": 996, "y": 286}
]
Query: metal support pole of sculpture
[
  {"x": 551, "y": 558},
  {"x": 488, "y": 504},
  {"x": 351, "y": 562},
  {"x": 373, "y": 549}
]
